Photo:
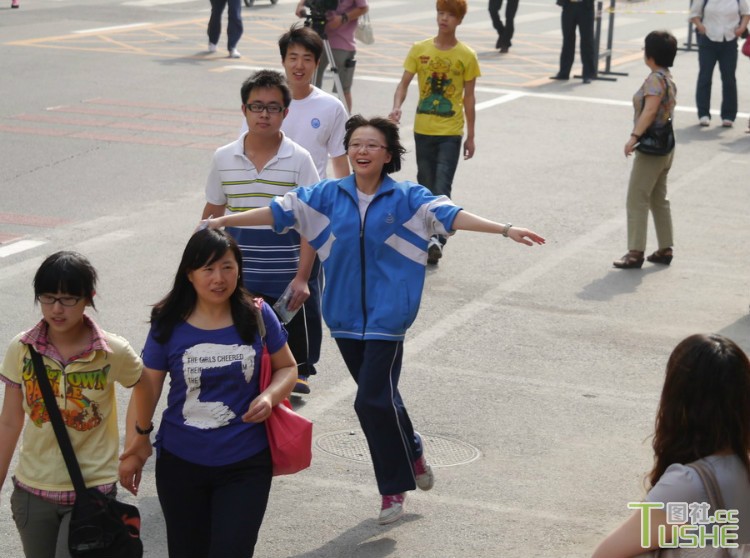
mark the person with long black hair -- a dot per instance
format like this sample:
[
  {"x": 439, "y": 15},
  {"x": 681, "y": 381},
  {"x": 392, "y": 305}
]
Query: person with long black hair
[
  {"x": 213, "y": 465},
  {"x": 703, "y": 418}
]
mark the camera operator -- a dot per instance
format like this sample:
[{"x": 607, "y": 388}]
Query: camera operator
[{"x": 339, "y": 30}]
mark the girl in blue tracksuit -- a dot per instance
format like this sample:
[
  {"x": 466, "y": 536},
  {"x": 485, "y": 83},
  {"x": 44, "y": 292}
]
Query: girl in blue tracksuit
[{"x": 371, "y": 234}]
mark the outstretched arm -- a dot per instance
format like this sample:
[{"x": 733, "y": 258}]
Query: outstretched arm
[
  {"x": 251, "y": 217},
  {"x": 466, "y": 221}
]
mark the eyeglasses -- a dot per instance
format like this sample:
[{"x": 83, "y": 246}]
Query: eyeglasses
[
  {"x": 260, "y": 107},
  {"x": 64, "y": 300},
  {"x": 367, "y": 147}
]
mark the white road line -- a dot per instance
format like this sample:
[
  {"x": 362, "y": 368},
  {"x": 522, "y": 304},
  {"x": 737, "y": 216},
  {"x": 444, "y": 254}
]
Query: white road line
[
  {"x": 114, "y": 28},
  {"x": 20, "y": 246},
  {"x": 488, "y": 302}
]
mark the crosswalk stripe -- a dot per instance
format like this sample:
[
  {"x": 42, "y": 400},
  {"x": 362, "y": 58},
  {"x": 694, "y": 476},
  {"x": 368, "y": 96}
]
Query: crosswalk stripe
[{"x": 19, "y": 246}]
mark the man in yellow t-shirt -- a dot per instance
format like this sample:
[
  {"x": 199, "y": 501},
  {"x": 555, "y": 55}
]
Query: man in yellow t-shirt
[{"x": 447, "y": 70}]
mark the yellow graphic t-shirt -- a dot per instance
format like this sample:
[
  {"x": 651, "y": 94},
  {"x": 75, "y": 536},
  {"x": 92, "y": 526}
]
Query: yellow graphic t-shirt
[
  {"x": 441, "y": 76},
  {"x": 85, "y": 394}
]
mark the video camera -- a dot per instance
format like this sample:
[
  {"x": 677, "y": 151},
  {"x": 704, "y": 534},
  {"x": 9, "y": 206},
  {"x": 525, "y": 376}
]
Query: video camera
[{"x": 317, "y": 17}]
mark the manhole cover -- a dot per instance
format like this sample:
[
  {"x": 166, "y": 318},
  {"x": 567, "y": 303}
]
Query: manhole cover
[{"x": 441, "y": 451}]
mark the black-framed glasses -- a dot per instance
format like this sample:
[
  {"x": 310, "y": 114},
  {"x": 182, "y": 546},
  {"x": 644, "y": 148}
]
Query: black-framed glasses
[
  {"x": 272, "y": 108},
  {"x": 368, "y": 147},
  {"x": 64, "y": 300}
]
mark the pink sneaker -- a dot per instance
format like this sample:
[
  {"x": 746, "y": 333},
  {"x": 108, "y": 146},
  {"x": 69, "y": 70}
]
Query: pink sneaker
[
  {"x": 392, "y": 508},
  {"x": 423, "y": 473},
  {"x": 15, "y": 4}
]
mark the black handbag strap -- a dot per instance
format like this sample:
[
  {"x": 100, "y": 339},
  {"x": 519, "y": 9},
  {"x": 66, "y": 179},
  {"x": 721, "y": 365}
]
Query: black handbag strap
[{"x": 58, "y": 425}]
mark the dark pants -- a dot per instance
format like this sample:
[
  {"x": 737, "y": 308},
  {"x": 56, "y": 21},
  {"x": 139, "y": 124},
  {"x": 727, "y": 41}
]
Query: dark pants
[
  {"x": 306, "y": 328},
  {"x": 581, "y": 15},
  {"x": 709, "y": 53},
  {"x": 376, "y": 367},
  {"x": 234, "y": 27},
  {"x": 437, "y": 160},
  {"x": 213, "y": 512},
  {"x": 505, "y": 32}
]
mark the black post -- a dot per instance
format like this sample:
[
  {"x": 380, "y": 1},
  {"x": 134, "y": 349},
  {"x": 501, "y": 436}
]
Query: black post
[{"x": 610, "y": 42}]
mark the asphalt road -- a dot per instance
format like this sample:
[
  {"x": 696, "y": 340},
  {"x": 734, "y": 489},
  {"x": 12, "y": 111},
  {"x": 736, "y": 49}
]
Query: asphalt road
[{"x": 533, "y": 373}]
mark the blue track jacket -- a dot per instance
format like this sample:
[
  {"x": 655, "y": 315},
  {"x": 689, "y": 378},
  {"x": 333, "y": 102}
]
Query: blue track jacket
[{"x": 374, "y": 267}]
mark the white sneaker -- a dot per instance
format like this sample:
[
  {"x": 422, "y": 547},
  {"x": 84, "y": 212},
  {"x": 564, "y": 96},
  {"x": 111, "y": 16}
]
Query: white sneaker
[
  {"x": 392, "y": 508},
  {"x": 704, "y": 121},
  {"x": 211, "y": 47},
  {"x": 727, "y": 123},
  {"x": 234, "y": 53},
  {"x": 423, "y": 474},
  {"x": 434, "y": 251}
]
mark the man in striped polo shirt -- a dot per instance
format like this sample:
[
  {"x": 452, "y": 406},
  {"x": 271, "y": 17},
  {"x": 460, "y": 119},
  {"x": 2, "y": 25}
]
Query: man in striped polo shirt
[{"x": 247, "y": 174}]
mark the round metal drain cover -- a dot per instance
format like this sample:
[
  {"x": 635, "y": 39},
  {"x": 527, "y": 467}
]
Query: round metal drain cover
[{"x": 440, "y": 451}]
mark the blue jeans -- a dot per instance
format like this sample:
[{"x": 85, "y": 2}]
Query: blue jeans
[
  {"x": 437, "y": 160},
  {"x": 709, "y": 53},
  {"x": 234, "y": 27}
]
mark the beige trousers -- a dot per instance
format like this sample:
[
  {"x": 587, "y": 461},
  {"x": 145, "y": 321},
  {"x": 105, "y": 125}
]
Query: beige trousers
[{"x": 648, "y": 190}]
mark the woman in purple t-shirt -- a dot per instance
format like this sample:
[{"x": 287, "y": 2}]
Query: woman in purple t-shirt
[{"x": 213, "y": 465}]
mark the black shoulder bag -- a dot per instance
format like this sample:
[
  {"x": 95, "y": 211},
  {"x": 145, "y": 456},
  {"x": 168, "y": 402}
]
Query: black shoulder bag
[
  {"x": 100, "y": 526},
  {"x": 658, "y": 140}
]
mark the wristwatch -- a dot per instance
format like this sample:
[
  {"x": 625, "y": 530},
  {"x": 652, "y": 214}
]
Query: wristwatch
[{"x": 142, "y": 432}]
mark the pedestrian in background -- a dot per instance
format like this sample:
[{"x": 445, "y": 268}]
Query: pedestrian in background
[
  {"x": 653, "y": 104},
  {"x": 718, "y": 23},
  {"x": 704, "y": 419},
  {"x": 580, "y": 14},
  {"x": 340, "y": 26},
  {"x": 372, "y": 233},
  {"x": 447, "y": 71},
  {"x": 234, "y": 26},
  {"x": 504, "y": 31}
]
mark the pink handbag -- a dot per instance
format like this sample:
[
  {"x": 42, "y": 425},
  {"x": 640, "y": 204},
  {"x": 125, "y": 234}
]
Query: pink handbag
[
  {"x": 289, "y": 434},
  {"x": 746, "y": 46}
]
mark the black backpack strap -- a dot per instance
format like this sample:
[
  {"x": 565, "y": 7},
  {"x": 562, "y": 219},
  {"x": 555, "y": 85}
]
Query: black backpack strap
[{"x": 58, "y": 425}]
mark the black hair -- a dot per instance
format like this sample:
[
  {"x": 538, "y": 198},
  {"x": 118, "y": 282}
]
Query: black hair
[
  {"x": 705, "y": 404},
  {"x": 389, "y": 129},
  {"x": 204, "y": 248},
  {"x": 266, "y": 79},
  {"x": 66, "y": 272},
  {"x": 662, "y": 47},
  {"x": 306, "y": 37}
]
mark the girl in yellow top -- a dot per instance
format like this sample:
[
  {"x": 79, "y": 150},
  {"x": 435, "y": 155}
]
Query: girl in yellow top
[{"x": 82, "y": 362}]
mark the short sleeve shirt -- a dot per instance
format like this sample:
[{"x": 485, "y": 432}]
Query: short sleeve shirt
[
  {"x": 441, "y": 76},
  {"x": 213, "y": 378},
  {"x": 85, "y": 393},
  {"x": 680, "y": 483},
  {"x": 659, "y": 84}
]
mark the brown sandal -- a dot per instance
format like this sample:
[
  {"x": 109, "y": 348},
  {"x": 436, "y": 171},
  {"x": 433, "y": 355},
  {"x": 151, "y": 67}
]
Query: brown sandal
[
  {"x": 631, "y": 260},
  {"x": 661, "y": 256}
]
